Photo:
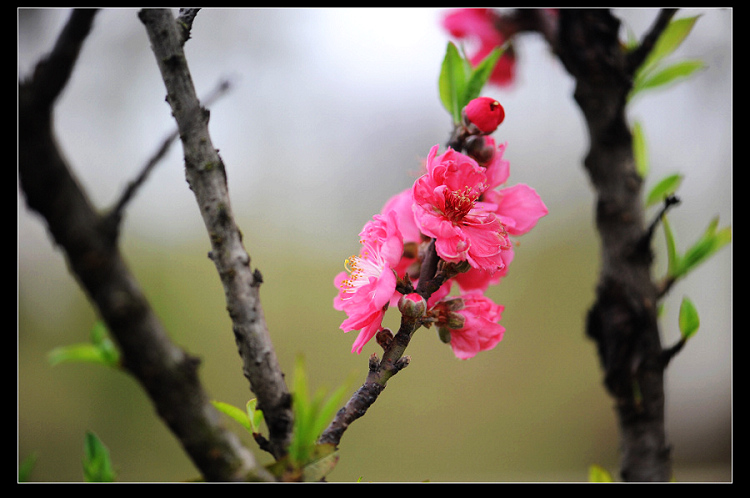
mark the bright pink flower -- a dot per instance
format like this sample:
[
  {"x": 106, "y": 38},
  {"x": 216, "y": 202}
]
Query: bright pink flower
[
  {"x": 480, "y": 25},
  {"x": 366, "y": 291},
  {"x": 401, "y": 204},
  {"x": 446, "y": 208},
  {"x": 485, "y": 113},
  {"x": 480, "y": 280},
  {"x": 481, "y": 330},
  {"x": 519, "y": 207}
]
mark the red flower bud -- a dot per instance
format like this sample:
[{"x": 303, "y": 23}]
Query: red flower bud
[
  {"x": 485, "y": 113},
  {"x": 412, "y": 305}
]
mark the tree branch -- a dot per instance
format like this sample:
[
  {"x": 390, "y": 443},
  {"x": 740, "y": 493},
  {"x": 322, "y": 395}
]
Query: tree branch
[
  {"x": 622, "y": 320},
  {"x": 167, "y": 373},
  {"x": 207, "y": 178}
]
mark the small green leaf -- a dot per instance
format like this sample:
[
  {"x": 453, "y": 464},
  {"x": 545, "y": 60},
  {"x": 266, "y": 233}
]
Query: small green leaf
[
  {"x": 479, "y": 76},
  {"x": 311, "y": 415},
  {"x": 25, "y": 467},
  {"x": 672, "y": 37},
  {"x": 689, "y": 319},
  {"x": 254, "y": 415},
  {"x": 709, "y": 243},
  {"x": 666, "y": 187},
  {"x": 599, "y": 474},
  {"x": 667, "y": 75},
  {"x": 672, "y": 256},
  {"x": 76, "y": 353},
  {"x": 640, "y": 150},
  {"x": 101, "y": 350},
  {"x": 452, "y": 81},
  {"x": 235, "y": 414},
  {"x": 97, "y": 466}
]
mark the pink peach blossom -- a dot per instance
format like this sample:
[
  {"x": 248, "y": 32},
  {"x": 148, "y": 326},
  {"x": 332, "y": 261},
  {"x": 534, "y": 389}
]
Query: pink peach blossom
[
  {"x": 447, "y": 208},
  {"x": 518, "y": 207},
  {"x": 481, "y": 330},
  {"x": 367, "y": 289}
]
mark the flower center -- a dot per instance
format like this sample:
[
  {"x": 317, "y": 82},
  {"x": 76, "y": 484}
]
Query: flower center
[
  {"x": 360, "y": 269},
  {"x": 458, "y": 203}
]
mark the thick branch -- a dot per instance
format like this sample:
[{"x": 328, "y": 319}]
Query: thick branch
[
  {"x": 207, "y": 178},
  {"x": 167, "y": 373},
  {"x": 622, "y": 321}
]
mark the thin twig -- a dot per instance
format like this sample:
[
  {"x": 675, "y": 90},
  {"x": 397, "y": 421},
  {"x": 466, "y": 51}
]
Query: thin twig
[{"x": 114, "y": 216}]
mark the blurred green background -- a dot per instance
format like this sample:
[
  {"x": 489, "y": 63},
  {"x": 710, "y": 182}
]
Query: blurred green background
[{"x": 331, "y": 111}]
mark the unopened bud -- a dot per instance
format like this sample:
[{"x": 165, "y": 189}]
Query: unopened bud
[
  {"x": 485, "y": 113},
  {"x": 412, "y": 305},
  {"x": 384, "y": 337}
]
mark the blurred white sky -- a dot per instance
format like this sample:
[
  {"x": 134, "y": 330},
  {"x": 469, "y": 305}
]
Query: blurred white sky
[{"x": 331, "y": 110}]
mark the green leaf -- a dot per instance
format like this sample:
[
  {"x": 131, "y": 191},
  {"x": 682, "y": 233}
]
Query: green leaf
[
  {"x": 672, "y": 256},
  {"x": 711, "y": 241},
  {"x": 666, "y": 187},
  {"x": 311, "y": 415},
  {"x": 76, "y": 353},
  {"x": 101, "y": 350},
  {"x": 452, "y": 81},
  {"x": 25, "y": 467},
  {"x": 667, "y": 75},
  {"x": 254, "y": 415},
  {"x": 640, "y": 150},
  {"x": 97, "y": 466},
  {"x": 599, "y": 474},
  {"x": 479, "y": 76},
  {"x": 689, "y": 319},
  {"x": 672, "y": 37},
  {"x": 236, "y": 414},
  {"x": 703, "y": 248},
  {"x": 668, "y": 42}
]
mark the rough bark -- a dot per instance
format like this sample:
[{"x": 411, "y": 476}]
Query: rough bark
[
  {"x": 206, "y": 176},
  {"x": 622, "y": 321},
  {"x": 89, "y": 241}
]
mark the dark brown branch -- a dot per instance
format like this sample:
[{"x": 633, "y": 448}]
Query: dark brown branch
[
  {"x": 206, "y": 176},
  {"x": 639, "y": 55},
  {"x": 622, "y": 320},
  {"x": 167, "y": 373}
]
